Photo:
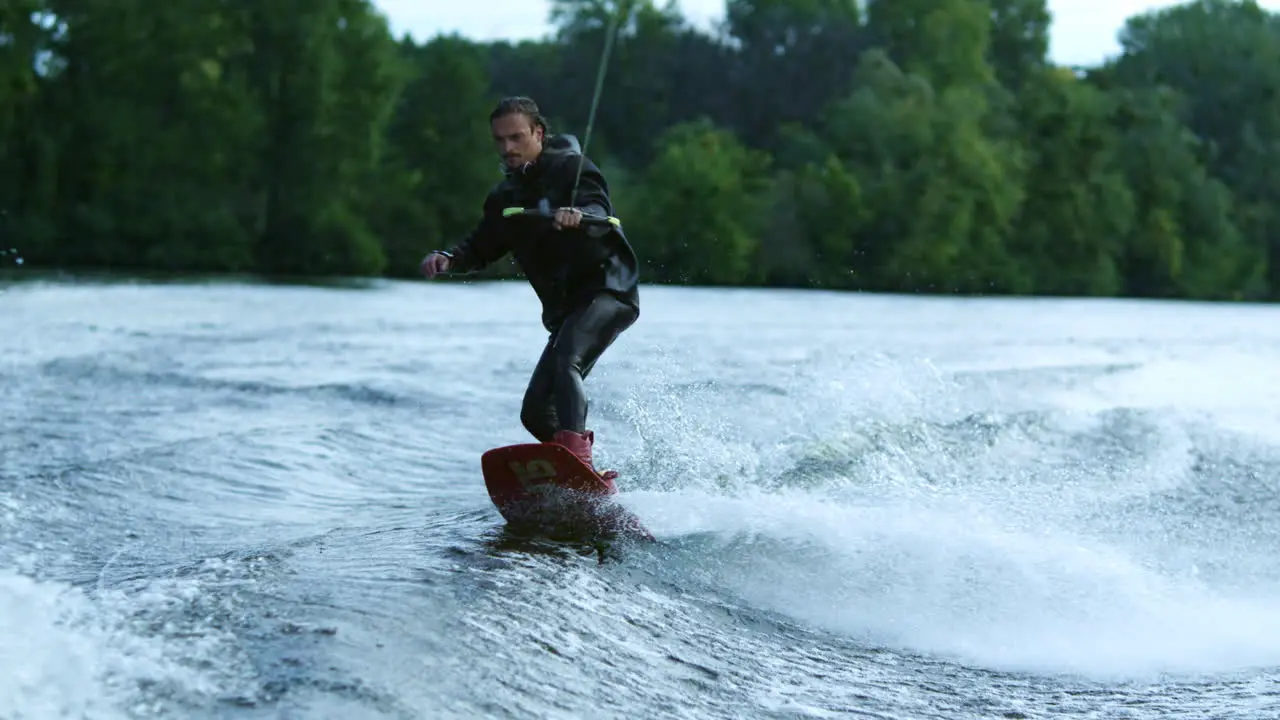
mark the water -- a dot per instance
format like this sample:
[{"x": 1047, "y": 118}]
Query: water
[{"x": 237, "y": 501}]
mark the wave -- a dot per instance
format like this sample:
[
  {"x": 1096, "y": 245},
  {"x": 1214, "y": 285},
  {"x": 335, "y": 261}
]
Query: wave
[
  {"x": 88, "y": 370},
  {"x": 1105, "y": 541},
  {"x": 960, "y": 580}
]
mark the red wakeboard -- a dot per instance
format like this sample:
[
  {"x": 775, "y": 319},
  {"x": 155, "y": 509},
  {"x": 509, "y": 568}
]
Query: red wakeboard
[{"x": 545, "y": 487}]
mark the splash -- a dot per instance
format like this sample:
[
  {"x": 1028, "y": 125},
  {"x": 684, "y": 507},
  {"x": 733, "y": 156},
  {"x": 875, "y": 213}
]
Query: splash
[
  {"x": 158, "y": 649},
  {"x": 1005, "y": 518},
  {"x": 55, "y": 659},
  {"x": 957, "y": 580}
]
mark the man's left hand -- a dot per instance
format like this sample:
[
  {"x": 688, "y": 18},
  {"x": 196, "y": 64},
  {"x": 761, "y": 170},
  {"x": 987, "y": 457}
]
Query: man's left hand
[{"x": 567, "y": 218}]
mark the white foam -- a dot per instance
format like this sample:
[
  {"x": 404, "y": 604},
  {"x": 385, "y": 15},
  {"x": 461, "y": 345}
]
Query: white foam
[
  {"x": 67, "y": 653},
  {"x": 54, "y": 659},
  {"x": 953, "y": 579},
  {"x": 1235, "y": 389}
]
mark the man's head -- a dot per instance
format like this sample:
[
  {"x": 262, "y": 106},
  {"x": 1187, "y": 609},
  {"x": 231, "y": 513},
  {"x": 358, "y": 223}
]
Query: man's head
[{"x": 518, "y": 131}]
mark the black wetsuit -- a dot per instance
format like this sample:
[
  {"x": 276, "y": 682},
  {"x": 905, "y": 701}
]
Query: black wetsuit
[{"x": 586, "y": 278}]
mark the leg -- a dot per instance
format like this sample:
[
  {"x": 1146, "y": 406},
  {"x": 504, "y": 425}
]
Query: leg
[
  {"x": 582, "y": 339},
  {"x": 538, "y": 411},
  {"x": 578, "y": 345}
]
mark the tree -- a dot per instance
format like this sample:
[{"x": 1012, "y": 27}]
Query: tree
[
  {"x": 1079, "y": 207},
  {"x": 442, "y": 164},
  {"x": 696, "y": 217},
  {"x": 1223, "y": 59}
]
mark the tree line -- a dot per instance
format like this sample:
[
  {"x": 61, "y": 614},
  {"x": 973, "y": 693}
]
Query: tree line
[{"x": 883, "y": 145}]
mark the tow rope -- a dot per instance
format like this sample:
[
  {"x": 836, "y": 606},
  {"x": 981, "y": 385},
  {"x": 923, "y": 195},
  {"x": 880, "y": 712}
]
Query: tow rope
[{"x": 595, "y": 98}]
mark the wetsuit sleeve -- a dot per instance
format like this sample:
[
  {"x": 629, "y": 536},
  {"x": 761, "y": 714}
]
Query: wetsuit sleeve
[
  {"x": 593, "y": 192},
  {"x": 486, "y": 244}
]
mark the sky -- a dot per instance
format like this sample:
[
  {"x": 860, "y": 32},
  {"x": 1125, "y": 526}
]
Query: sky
[{"x": 1083, "y": 31}]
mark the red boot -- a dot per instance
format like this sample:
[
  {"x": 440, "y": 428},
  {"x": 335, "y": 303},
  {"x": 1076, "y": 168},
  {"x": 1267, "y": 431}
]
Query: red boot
[{"x": 580, "y": 444}]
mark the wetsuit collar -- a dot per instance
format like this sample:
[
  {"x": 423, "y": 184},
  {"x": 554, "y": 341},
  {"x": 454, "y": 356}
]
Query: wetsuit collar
[
  {"x": 556, "y": 145},
  {"x": 524, "y": 170}
]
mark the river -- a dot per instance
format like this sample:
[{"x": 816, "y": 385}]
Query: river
[{"x": 223, "y": 499}]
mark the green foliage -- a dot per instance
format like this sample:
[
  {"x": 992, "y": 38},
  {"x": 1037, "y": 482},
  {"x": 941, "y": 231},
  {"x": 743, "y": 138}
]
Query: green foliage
[
  {"x": 1079, "y": 206},
  {"x": 697, "y": 207},
  {"x": 438, "y": 168},
  {"x": 912, "y": 145}
]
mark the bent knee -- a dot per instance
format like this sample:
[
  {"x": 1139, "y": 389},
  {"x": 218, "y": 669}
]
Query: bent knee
[
  {"x": 568, "y": 363},
  {"x": 538, "y": 420}
]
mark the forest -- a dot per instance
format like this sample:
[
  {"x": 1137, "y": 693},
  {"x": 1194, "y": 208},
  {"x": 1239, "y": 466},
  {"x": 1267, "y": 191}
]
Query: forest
[{"x": 924, "y": 146}]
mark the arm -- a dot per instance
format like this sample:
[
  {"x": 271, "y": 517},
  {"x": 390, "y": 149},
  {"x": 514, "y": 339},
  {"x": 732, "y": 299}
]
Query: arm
[
  {"x": 593, "y": 192},
  {"x": 486, "y": 244}
]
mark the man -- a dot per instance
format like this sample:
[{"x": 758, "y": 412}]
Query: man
[{"x": 585, "y": 275}]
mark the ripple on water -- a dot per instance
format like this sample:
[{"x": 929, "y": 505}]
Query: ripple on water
[{"x": 217, "y": 505}]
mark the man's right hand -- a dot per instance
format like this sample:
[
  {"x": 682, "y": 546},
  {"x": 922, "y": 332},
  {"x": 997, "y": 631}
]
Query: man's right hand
[{"x": 434, "y": 264}]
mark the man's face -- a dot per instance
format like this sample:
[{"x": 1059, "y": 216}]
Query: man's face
[{"x": 517, "y": 139}]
